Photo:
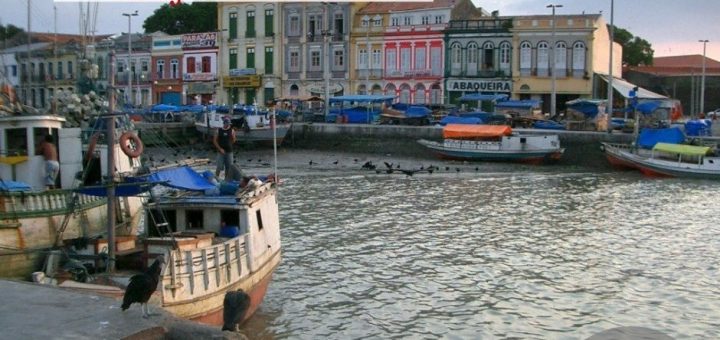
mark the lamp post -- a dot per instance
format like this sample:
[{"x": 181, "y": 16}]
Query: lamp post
[
  {"x": 130, "y": 73},
  {"x": 327, "y": 35},
  {"x": 367, "y": 60},
  {"x": 610, "y": 69},
  {"x": 552, "y": 63},
  {"x": 702, "y": 79}
]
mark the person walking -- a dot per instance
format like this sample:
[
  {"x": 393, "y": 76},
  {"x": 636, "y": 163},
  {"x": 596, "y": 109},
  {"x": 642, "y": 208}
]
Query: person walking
[
  {"x": 223, "y": 141},
  {"x": 48, "y": 150}
]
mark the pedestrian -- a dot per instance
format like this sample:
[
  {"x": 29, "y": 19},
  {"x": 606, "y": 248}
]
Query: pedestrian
[
  {"x": 223, "y": 141},
  {"x": 48, "y": 150}
]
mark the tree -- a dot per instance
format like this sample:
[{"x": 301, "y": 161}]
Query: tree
[
  {"x": 185, "y": 18},
  {"x": 636, "y": 51}
]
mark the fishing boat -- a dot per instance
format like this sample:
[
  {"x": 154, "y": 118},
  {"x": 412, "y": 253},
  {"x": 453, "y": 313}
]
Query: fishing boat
[
  {"x": 494, "y": 143},
  {"x": 252, "y": 124},
  {"x": 666, "y": 160},
  {"x": 34, "y": 219}
]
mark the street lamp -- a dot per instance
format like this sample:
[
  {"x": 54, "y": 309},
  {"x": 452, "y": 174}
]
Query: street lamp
[
  {"x": 552, "y": 63},
  {"x": 610, "y": 69},
  {"x": 367, "y": 54},
  {"x": 130, "y": 73},
  {"x": 702, "y": 79}
]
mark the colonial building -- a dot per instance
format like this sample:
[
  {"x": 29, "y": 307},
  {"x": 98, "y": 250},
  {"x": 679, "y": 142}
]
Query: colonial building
[
  {"x": 167, "y": 65},
  {"x": 581, "y": 51},
  {"x": 133, "y": 77},
  {"x": 366, "y": 57},
  {"x": 250, "y": 56},
  {"x": 413, "y": 45},
  {"x": 199, "y": 59},
  {"x": 479, "y": 57},
  {"x": 316, "y": 47}
]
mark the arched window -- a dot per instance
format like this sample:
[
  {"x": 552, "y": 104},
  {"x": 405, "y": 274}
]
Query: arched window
[
  {"x": 488, "y": 56},
  {"x": 505, "y": 57},
  {"x": 525, "y": 58},
  {"x": 390, "y": 90},
  {"x": 160, "y": 68},
  {"x": 543, "y": 60},
  {"x": 560, "y": 59},
  {"x": 456, "y": 58},
  {"x": 420, "y": 94},
  {"x": 404, "y": 93},
  {"x": 294, "y": 90},
  {"x": 376, "y": 90},
  {"x": 435, "y": 94},
  {"x": 362, "y": 89},
  {"x": 578, "y": 59},
  {"x": 472, "y": 59}
]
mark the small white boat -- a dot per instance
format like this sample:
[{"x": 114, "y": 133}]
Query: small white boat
[
  {"x": 666, "y": 160},
  {"x": 250, "y": 126},
  {"x": 494, "y": 143}
]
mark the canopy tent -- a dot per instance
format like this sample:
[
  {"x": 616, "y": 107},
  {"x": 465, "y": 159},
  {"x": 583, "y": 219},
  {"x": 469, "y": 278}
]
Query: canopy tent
[
  {"x": 624, "y": 88},
  {"x": 588, "y": 107}
]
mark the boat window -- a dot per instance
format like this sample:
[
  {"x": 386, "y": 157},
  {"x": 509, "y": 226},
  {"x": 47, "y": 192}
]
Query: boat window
[
  {"x": 258, "y": 215},
  {"x": 194, "y": 219},
  {"x": 16, "y": 142},
  {"x": 230, "y": 217}
]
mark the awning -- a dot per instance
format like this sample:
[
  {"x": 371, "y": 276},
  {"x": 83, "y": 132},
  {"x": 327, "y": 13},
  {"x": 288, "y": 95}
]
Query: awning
[
  {"x": 475, "y": 131},
  {"x": 688, "y": 150},
  {"x": 624, "y": 88}
]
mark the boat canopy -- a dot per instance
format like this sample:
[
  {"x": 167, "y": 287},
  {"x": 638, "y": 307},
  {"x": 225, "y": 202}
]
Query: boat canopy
[
  {"x": 683, "y": 149},
  {"x": 183, "y": 177},
  {"x": 466, "y": 131},
  {"x": 483, "y": 97},
  {"x": 649, "y": 137},
  {"x": 589, "y": 107},
  {"x": 518, "y": 104}
]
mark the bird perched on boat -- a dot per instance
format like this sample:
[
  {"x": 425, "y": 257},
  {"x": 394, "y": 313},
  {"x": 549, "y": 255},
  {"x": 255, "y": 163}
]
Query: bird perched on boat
[
  {"x": 142, "y": 286},
  {"x": 235, "y": 305}
]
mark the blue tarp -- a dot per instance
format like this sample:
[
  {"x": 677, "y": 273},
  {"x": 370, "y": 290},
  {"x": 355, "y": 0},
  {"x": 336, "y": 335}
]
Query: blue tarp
[
  {"x": 648, "y": 107},
  {"x": 165, "y": 108},
  {"x": 649, "y": 137},
  {"x": 483, "y": 97},
  {"x": 131, "y": 187},
  {"x": 699, "y": 127},
  {"x": 588, "y": 107},
  {"x": 460, "y": 120},
  {"x": 181, "y": 178},
  {"x": 548, "y": 125},
  {"x": 14, "y": 186},
  {"x": 417, "y": 112},
  {"x": 522, "y": 104}
]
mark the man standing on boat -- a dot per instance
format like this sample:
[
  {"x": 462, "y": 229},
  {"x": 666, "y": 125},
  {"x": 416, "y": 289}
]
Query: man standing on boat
[
  {"x": 223, "y": 141},
  {"x": 52, "y": 167}
]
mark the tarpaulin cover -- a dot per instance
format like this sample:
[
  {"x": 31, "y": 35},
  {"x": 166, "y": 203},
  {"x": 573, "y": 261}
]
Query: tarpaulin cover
[
  {"x": 417, "y": 111},
  {"x": 648, "y": 107},
  {"x": 165, "y": 108},
  {"x": 698, "y": 127},
  {"x": 460, "y": 120},
  {"x": 483, "y": 97},
  {"x": 475, "y": 131},
  {"x": 649, "y": 137},
  {"x": 588, "y": 107},
  {"x": 521, "y": 104},
  {"x": 14, "y": 186},
  {"x": 181, "y": 178},
  {"x": 131, "y": 187},
  {"x": 683, "y": 149}
]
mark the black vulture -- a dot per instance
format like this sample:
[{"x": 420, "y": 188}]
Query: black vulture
[
  {"x": 235, "y": 306},
  {"x": 142, "y": 286}
]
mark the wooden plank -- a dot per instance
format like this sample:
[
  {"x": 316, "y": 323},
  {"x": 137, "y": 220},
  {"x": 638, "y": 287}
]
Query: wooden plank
[
  {"x": 227, "y": 262},
  {"x": 206, "y": 274},
  {"x": 217, "y": 266},
  {"x": 173, "y": 274},
  {"x": 237, "y": 256}
]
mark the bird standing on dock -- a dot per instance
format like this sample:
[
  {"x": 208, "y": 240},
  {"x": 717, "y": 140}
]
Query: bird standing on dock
[{"x": 142, "y": 286}]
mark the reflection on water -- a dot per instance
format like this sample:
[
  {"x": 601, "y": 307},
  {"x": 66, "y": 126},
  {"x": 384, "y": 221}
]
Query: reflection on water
[{"x": 504, "y": 251}]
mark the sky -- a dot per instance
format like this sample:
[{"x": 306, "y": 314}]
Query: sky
[{"x": 672, "y": 27}]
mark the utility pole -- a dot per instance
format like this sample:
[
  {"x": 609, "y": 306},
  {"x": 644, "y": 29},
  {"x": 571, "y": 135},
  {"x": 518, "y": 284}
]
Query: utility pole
[
  {"x": 129, "y": 59},
  {"x": 702, "y": 79},
  {"x": 610, "y": 69}
]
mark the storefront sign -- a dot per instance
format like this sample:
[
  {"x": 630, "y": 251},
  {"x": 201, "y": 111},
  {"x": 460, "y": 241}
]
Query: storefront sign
[
  {"x": 198, "y": 76},
  {"x": 242, "y": 81},
  {"x": 477, "y": 85},
  {"x": 200, "y": 88},
  {"x": 242, "y": 72},
  {"x": 334, "y": 88},
  {"x": 199, "y": 40}
]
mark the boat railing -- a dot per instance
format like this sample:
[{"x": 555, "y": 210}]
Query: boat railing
[
  {"x": 17, "y": 205},
  {"x": 471, "y": 144},
  {"x": 197, "y": 272}
]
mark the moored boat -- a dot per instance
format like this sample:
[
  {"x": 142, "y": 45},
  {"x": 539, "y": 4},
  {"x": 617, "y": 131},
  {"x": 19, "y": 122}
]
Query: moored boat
[
  {"x": 494, "y": 143},
  {"x": 666, "y": 160},
  {"x": 251, "y": 125}
]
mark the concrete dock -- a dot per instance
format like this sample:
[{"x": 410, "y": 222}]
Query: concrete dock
[{"x": 33, "y": 311}]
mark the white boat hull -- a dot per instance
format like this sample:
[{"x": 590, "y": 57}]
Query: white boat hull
[{"x": 644, "y": 161}]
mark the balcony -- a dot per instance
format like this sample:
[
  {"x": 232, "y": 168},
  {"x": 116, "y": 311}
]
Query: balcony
[
  {"x": 373, "y": 73},
  {"x": 494, "y": 25},
  {"x": 423, "y": 73}
]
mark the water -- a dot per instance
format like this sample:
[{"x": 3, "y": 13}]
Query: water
[{"x": 504, "y": 251}]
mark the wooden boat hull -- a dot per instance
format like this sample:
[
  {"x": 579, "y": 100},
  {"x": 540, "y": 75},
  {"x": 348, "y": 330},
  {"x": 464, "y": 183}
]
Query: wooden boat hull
[
  {"x": 533, "y": 156},
  {"x": 29, "y": 225},
  {"x": 627, "y": 157}
]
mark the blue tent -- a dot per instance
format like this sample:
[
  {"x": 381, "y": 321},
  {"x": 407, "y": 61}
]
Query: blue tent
[
  {"x": 649, "y": 137},
  {"x": 183, "y": 177},
  {"x": 588, "y": 107},
  {"x": 165, "y": 108},
  {"x": 483, "y": 97}
]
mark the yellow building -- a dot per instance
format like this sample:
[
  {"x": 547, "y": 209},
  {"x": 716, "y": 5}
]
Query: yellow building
[
  {"x": 366, "y": 46},
  {"x": 582, "y": 56}
]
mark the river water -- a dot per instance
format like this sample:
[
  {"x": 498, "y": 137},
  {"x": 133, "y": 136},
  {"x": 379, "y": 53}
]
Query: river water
[{"x": 487, "y": 251}]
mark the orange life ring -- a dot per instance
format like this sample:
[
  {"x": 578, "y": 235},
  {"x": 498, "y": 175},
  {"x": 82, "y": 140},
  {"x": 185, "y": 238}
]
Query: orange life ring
[
  {"x": 91, "y": 145},
  {"x": 134, "y": 149}
]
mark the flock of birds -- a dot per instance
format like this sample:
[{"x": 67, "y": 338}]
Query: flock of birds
[{"x": 392, "y": 168}]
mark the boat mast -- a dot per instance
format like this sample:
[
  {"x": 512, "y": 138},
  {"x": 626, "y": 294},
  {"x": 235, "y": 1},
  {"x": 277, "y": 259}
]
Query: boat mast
[{"x": 110, "y": 140}]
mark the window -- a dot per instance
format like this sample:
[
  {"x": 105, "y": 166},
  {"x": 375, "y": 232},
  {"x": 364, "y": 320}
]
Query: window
[
  {"x": 578, "y": 58},
  {"x": 438, "y": 19},
  {"x": 456, "y": 55},
  {"x": 560, "y": 59},
  {"x": 420, "y": 58},
  {"x": 160, "y": 64},
  {"x": 250, "y": 57},
  {"x": 294, "y": 61},
  {"x": 407, "y": 21},
  {"x": 426, "y": 19},
  {"x": 14, "y": 70},
  {"x": 233, "y": 59},
  {"x": 294, "y": 26},
  {"x": 525, "y": 58},
  {"x": 51, "y": 71},
  {"x": 206, "y": 68},
  {"x": 395, "y": 21},
  {"x": 505, "y": 56},
  {"x": 339, "y": 24},
  {"x": 338, "y": 59},
  {"x": 377, "y": 21},
  {"x": 472, "y": 56},
  {"x": 144, "y": 66},
  {"x": 315, "y": 60},
  {"x": 420, "y": 94},
  {"x": 269, "y": 21},
  {"x": 190, "y": 67},
  {"x": 41, "y": 67},
  {"x": 376, "y": 64},
  {"x": 269, "y": 51},
  {"x": 543, "y": 61},
  {"x": 365, "y": 22},
  {"x": 362, "y": 58},
  {"x": 436, "y": 61},
  {"x": 390, "y": 61},
  {"x": 70, "y": 68},
  {"x": 232, "y": 26},
  {"x": 174, "y": 68},
  {"x": 405, "y": 59},
  {"x": 294, "y": 90},
  {"x": 488, "y": 56},
  {"x": 250, "y": 28}
]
